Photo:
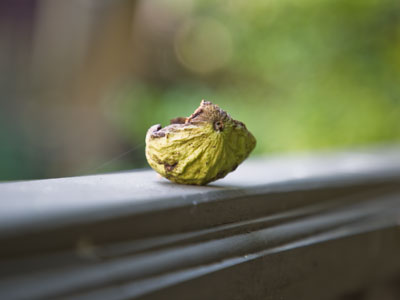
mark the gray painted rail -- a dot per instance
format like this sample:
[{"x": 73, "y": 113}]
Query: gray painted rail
[{"x": 321, "y": 226}]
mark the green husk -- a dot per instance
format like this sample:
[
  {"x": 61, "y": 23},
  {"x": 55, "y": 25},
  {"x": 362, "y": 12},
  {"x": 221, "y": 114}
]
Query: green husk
[{"x": 199, "y": 149}]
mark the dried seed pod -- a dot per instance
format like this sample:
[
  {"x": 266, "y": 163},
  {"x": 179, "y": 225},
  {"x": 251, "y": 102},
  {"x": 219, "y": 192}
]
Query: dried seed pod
[{"x": 199, "y": 149}]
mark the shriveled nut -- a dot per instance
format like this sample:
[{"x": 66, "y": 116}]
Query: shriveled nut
[{"x": 199, "y": 149}]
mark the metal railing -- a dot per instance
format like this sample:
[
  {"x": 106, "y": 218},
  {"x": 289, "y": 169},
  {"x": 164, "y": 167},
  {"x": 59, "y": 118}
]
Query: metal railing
[{"x": 321, "y": 226}]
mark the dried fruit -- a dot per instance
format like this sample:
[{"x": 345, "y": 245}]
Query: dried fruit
[{"x": 199, "y": 149}]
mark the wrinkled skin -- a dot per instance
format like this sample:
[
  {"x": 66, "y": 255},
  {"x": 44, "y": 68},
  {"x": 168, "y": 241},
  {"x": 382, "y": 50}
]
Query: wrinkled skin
[{"x": 199, "y": 149}]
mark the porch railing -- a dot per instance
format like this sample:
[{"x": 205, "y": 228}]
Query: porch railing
[{"x": 321, "y": 226}]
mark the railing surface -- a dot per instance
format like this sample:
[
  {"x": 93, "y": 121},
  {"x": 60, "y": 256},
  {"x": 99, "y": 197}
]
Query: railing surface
[{"x": 322, "y": 226}]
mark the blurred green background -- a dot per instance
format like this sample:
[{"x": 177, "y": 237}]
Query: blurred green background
[{"x": 81, "y": 81}]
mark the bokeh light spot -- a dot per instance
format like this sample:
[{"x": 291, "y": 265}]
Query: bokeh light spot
[{"x": 203, "y": 45}]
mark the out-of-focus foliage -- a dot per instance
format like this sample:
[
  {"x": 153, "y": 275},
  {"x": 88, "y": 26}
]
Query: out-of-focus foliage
[{"x": 301, "y": 75}]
